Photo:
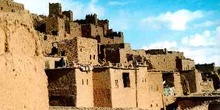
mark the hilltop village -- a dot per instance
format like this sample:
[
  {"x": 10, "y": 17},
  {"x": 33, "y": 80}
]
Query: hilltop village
[{"x": 89, "y": 65}]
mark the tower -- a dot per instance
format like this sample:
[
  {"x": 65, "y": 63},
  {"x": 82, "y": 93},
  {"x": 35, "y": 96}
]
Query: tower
[{"x": 55, "y": 9}]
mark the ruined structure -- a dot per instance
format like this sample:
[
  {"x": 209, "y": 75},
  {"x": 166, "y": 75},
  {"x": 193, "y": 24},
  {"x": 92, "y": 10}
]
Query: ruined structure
[{"x": 88, "y": 64}]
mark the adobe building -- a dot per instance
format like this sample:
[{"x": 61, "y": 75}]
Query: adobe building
[
  {"x": 112, "y": 86},
  {"x": 10, "y": 6},
  {"x": 140, "y": 88},
  {"x": 80, "y": 50},
  {"x": 70, "y": 86}
]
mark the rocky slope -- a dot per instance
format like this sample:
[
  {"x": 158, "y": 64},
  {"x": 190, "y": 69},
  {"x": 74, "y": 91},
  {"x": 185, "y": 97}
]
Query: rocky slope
[{"x": 23, "y": 83}]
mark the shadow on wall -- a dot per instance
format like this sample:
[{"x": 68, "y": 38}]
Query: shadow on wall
[{"x": 214, "y": 105}]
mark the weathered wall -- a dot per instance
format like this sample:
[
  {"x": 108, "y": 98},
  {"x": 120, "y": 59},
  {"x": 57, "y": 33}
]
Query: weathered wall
[
  {"x": 185, "y": 64},
  {"x": 75, "y": 29},
  {"x": 155, "y": 96},
  {"x": 119, "y": 92},
  {"x": 55, "y": 26},
  {"x": 87, "y": 50},
  {"x": 190, "y": 76},
  {"x": 177, "y": 84},
  {"x": 142, "y": 88},
  {"x": 62, "y": 88},
  {"x": 102, "y": 87},
  {"x": 23, "y": 81},
  {"x": 10, "y": 6},
  {"x": 80, "y": 50},
  {"x": 70, "y": 87},
  {"x": 84, "y": 87}
]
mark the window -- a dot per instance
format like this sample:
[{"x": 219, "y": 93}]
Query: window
[
  {"x": 116, "y": 84},
  {"x": 90, "y": 57},
  {"x": 1, "y": 8},
  {"x": 126, "y": 79},
  {"x": 87, "y": 81},
  {"x": 94, "y": 57},
  {"x": 82, "y": 82},
  {"x": 80, "y": 49},
  {"x": 54, "y": 33}
]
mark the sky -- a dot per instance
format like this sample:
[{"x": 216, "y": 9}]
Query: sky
[{"x": 189, "y": 26}]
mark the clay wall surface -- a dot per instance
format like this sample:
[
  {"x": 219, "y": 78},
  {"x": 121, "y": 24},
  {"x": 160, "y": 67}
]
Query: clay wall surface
[
  {"x": 84, "y": 87},
  {"x": 142, "y": 88},
  {"x": 80, "y": 50},
  {"x": 119, "y": 92},
  {"x": 55, "y": 26},
  {"x": 62, "y": 84},
  {"x": 87, "y": 50},
  {"x": 70, "y": 48},
  {"x": 190, "y": 77},
  {"x": 91, "y": 30},
  {"x": 10, "y": 6},
  {"x": 164, "y": 60},
  {"x": 185, "y": 64},
  {"x": 178, "y": 91},
  {"x": 155, "y": 90},
  {"x": 198, "y": 78},
  {"x": 70, "y": 87},
  {"x": 23, "y": 81},
  {"x": 75, "y": 29},
  {"x": 102, "y": 87},
  {"x": 111, "y": 40}
]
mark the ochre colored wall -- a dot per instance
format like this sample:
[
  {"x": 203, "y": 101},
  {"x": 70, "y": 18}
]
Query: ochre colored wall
[
  {"x": 23, "y": 81},
  {"x": 102, "y": 87},
  {"x": 120, "y": 93}
]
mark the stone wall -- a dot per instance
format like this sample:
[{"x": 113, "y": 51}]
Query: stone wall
[{"x": 23, "y": 81}]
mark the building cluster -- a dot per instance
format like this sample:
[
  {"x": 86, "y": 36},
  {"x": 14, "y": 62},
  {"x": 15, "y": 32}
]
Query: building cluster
[{"x": 89, "y": 65}]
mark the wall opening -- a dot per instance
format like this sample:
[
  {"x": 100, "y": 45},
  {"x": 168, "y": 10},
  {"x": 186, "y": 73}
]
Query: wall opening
[
  {"x": 1, "y": 8},
  {"x": 55, "y": 33},
  {"x": 126, "y": 79},
  {"x": 116, "y": 84}
]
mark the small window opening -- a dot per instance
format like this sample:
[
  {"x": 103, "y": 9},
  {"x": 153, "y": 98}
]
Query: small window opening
[
  {"x": 54, "y": 33},
  {"x": 63, "y": 53},
  {"x": 94, "y": 57},
  {"x": 90, "y": 57},
  {"x": 116, "y": 84},
  {"x": 80, "y": 49},
  {"x": 45, "y": 37},
  {"x": 1, "y": 8},
  {"x": 82, "y": 82},
  {"x": 126, "y": 79},
  {"x": 87, "y": 81}
]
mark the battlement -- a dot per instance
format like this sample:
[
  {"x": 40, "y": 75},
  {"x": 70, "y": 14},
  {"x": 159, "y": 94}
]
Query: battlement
[
  {"x": 10, "y": 6},
  {"x": 111, "y": 33}
]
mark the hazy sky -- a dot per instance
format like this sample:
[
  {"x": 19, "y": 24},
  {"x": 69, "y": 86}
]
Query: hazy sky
[{"x": 190, "y": 26}]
